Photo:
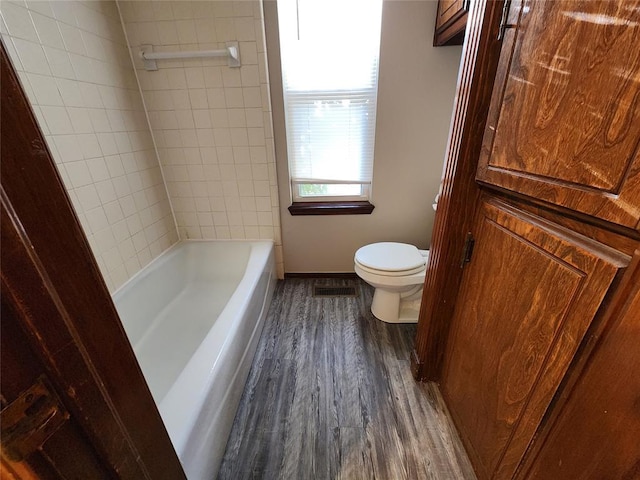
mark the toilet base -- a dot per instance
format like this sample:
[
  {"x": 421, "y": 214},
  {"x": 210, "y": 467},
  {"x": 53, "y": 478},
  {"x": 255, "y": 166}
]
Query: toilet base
[{"x": 394, "y": 307}]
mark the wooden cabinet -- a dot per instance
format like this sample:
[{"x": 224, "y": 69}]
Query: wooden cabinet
[
  {"x": 451, "y": 19},
  {"x": 564, "y": 124},
  {"x": 545, "y": 326},
  {"x": 528, "y": 296},
  {"x": 603, "y": 405}
]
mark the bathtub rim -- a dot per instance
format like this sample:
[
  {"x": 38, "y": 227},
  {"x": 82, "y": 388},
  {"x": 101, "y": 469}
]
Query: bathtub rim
[{"x": 168, "y": 251}]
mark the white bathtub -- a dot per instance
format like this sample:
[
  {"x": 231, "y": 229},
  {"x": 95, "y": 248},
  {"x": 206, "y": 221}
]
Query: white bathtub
[{"x": 194, "y": 317}]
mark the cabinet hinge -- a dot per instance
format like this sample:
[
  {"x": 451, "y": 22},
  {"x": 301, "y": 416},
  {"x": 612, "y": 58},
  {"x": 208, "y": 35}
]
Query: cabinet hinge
[
  {"x": 467, "y": 252},
  {"x": 30, "y": 420}
]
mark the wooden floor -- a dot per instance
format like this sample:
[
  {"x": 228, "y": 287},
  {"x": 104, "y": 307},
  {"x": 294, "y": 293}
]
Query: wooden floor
[{"x": 330, "y": 396}]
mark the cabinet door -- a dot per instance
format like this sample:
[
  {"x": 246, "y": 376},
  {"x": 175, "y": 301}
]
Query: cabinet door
[
  {"x": 526, "y": 299},
  {"x": 597, "y": 433},
  {"x": 447, "y": 10},
  {"x": 564, "y": 122},
  {"x": 451, "y": 20}
]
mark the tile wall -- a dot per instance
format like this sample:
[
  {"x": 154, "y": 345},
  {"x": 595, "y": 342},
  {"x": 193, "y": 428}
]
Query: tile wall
[
  {"x": 73, "y": 61},
  {"x": 211, "y": 123}
]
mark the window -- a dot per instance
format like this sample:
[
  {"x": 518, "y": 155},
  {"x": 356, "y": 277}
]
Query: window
[{"x": 329, "y": 51}]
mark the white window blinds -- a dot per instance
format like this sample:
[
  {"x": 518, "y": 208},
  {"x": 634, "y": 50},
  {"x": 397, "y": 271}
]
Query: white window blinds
[{"x": 329, "y": 52}]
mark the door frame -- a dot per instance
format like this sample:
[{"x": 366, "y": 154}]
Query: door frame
[
  {"x": 51, "y": 278},
  {"x": 460, "y": 193}
]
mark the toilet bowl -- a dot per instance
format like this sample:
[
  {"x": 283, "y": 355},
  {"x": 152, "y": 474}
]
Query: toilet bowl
[{"x": 397, "y": 272}]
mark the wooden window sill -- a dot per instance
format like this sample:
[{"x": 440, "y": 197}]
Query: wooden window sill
[{"x": 331, "y": 208}]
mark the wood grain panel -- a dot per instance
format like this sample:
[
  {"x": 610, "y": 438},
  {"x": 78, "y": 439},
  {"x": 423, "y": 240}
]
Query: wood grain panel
[
  {"x": 451, "y": 20},
  {"x": 446, "y": 10},
  {"x": 597, "y": 430},
  {"x": 565, "y": 119},
  {"x": 612, "y": 238},
  {"x": 526, "y": 300},
  {"x": 504, "y": 340}
]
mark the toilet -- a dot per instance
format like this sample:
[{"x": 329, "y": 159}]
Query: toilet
[{"x": 397, "y": 272}]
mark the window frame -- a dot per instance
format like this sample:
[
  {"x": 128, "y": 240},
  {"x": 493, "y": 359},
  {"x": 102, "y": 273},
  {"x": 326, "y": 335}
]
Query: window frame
[{"x": 329, "y": 204}]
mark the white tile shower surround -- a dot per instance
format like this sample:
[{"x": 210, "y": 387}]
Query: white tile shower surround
[
  {"x": 73, "y": 62},
  {"x": 212, "y": 125}
]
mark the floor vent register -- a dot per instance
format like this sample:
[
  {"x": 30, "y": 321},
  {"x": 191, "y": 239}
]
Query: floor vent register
[{"x": 329, "y": 291}]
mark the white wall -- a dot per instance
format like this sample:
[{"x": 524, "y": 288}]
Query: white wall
[
  {"x": 415, "y": 101},
  {"x": 73, "y": 62},
  {"x": 211, "y": 123}
]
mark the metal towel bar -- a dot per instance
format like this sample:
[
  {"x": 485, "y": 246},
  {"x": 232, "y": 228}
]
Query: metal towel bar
[{"x": 149, "y": 57}]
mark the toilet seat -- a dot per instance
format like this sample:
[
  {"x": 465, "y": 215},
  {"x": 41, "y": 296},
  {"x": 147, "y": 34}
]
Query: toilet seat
[
  {"x": 390, "y": 259},
  {"x": 387, "y": 273},
  {"x": 380, "y": 278}
]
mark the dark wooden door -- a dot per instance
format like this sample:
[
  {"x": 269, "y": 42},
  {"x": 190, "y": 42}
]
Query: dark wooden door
[
  {"x": 564, "y": 123},
  {"x": 40, "y": 439},
  {"x": 527, "y": 298}
]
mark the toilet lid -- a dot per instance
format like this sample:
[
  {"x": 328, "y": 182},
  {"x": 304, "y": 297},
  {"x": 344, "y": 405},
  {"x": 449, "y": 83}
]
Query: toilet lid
[{"x": 390, "y": 257}]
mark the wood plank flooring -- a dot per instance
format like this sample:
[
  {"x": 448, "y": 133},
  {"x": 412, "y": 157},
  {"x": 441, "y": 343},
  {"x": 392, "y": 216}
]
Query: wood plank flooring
[{"x": 330, "y": 396}]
